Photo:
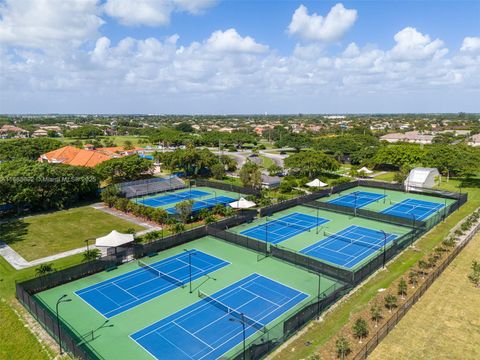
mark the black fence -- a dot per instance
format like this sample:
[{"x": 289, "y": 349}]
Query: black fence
[
  {"x": 278, "y": 334},
  {"x": 385, "y": 329},
  {"x": 368, "y": 214},
  {"x": 227, "y": 187}
]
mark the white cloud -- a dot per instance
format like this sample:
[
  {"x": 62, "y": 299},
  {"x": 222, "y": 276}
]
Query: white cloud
[
  {"x": 314, "y": 27},
  {"x": 48, "y": 23},
  {"x": 413, "y": 45},
  {"x": 230, "y": 41},
  {"x": 152, "y": 12},
  {"x": 471, "y": 44}
]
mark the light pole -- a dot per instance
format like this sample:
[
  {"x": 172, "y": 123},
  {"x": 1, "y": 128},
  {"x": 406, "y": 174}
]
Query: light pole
[
  {"x": 318, "y": 294},
  {"x": 60, "y": 300},
  {"x": 190, "y": 253},
  {"x": 87, "y": 240},
  {"x": 384, "y": 248},
  {"x": 241, "y": 321}
]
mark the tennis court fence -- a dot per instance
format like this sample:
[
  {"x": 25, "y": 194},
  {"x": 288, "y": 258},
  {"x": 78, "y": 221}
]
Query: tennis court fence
[
  {"x": 226, "y": 187},
  {"x": 138, "y": 188},
  {"x": 383, "y": 331},
  {"x": 368, "y": 214},
  {"x": 258, "y": 347}
]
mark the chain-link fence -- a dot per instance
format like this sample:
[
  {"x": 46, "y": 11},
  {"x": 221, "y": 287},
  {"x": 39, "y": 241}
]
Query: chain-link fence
[
  {"x": 383, "y": 331},
  {"x": 226, "y": 187}
]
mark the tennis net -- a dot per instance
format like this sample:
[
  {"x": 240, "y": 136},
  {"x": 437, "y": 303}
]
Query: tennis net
[
  {"x": 235, "y": 313},
  {"x": 435, "y": 208},
  {"x": 271, "y": 221},
  {"x": 375, "y": 245},
  {"x": 161, "y": 274}
]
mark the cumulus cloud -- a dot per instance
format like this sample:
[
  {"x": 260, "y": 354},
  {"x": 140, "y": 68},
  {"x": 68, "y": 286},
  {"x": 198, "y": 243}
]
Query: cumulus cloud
[
  {"x": 152, "y": 12},
  {"x": 471, "y": 44},
  {"x": 315, "y": 27},
  {"x": 413, "y": 45},
  {"x": 230, "y": 41},
  {"x": 48, "y": 23}
]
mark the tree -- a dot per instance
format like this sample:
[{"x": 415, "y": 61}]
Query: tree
[
  {"x": 376, "y": 313},
  {"x": 460, "y": 160},
  {"x": 177, "y": 227},
  {"x": 218, "y": 171},
  {"x": 400, "y": 155},
  {"x": 342, "y": 346},
  {"x": 124, "y": 168},
  {"x": 184, "y": 127},
  {"x": 474, "y": 276},
  {"x": 390, "y": 302},
  {"x": 274, "y": 170},
  {"x": 287, "y": 185},
  {"x": 29, "y": 149},
  {"x": 360, "y": 329},
  {"x": 109, "y": 195},
  {"x": 191, "y": 160},
  {"x": 423, "y": 266},
  {"x": 184, "y": 209},
  {"x": 310, "y": 163},
  {"x": 91, "y": 254},
  {"x": 49, "y": 186},
  {"x": 402, "y": 288},
  {"x": 250, "y": 175},
  {"x": 128, "y": 145},
  {"x": 85, "y": 132},
  {"x": 44, "y": 269},
  {"x": 293, "y": 140}
]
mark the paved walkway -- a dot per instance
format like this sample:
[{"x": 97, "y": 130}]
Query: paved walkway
[{"x": 18, "y": 262}]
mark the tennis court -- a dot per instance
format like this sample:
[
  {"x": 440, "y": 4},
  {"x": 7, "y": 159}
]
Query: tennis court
[
  {"x": 213, "y": 325},
  {"x": 349, "y": 247},
  {"x": 162, "y": 200},
  {"x": 281, "y": 229},
  {"x": 357, "y": 199},
  {"x": 121, "y": 293},
  {"x": 206, "y": 204},
  {"x": 413, "y": 209}
]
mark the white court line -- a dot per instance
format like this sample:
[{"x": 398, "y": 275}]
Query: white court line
[{"x": 192, "y": 334}]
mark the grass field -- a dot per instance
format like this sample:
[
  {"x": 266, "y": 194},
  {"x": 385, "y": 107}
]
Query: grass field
[
  {"x": 118, "y": 140},
  {"x": 388, "y": 176},
  {"x": 319, "y": 332},
  {"x": 83, "y": 318},
  {"x": 445, "y": 323},
  {"x": 42, "y": 235}
]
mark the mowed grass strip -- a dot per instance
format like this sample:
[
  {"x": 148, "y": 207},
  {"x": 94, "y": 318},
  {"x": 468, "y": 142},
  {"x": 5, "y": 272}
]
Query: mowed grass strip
[
  {"x": 42, "y": 235},
  {"x": 319, "y": 332},
  {"x": 445, "y": 323}
]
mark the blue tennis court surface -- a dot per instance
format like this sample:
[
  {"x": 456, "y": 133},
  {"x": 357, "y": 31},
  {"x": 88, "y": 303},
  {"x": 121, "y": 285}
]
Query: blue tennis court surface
[
  {"x": 414, "y": 209},
  {"x": 281, "y": 229},
  {"x": 350, "y": 246},
  {"x": 357, "y": 199},
  {"x": 116, "y": 295},
  {"x": 211, "y": 327},
  {"x": 162, "y": 200},
  {"x": 206, "y": 204}
]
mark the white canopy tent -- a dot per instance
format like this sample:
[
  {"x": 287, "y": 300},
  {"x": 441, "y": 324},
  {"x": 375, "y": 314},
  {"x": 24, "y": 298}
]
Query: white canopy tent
[
  {"x": 114, "y": 239},
  {"x": 316, "y": 183},
  {"x": 365, "y": 170},
  {"x": 421, "y": 178},
  {"x": 242, "y": 204}
]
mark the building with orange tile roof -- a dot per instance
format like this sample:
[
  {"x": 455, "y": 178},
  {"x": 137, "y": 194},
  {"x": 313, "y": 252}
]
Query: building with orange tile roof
[{"x": 88, "y": 156}]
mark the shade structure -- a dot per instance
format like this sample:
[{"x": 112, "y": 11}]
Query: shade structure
[
  {"x": 365, "y": 170},
  {"x": 316, "y": 183},
  {"x": 242, "y": 204},
  {"x": 114, "y": 239}
]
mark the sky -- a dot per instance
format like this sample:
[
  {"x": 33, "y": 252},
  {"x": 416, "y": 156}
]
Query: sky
[{"x": 239, "y": 56}]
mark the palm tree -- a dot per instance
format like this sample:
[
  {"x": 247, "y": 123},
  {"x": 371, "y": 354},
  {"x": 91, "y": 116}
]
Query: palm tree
[
  {"x": 413, "y": 278},
  {"x": 390, "y": 302},
  {"x": 90, "y": 255},
  {"x": 44, "y": 269},
  {"x": 422, "y": 264}
]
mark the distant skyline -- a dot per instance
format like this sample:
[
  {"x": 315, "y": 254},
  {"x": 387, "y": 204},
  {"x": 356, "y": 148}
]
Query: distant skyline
[{"x": 239, "y": 57}]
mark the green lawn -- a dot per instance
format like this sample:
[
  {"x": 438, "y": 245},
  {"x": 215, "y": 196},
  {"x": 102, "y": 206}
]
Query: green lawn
[
  {"x": 42, "y": 235},
  {"x": 266, "y": 162},
  {"x": 320, "y": 332},
  {"x": 388, "y": 176},
  {"x": 118, "y": 140},
  {"x": 445, "y": 323}
]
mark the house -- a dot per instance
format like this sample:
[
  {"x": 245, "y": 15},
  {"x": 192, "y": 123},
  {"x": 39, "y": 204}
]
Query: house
[
  {"x": 10, "y": 131},
  {"x": 89, "y": 156},
  {"x": 413, "y": 137},
  {"x": 474, "y": 140},
  {"x": 40, "y": 133},
  {"x": 270, "y": 182}
]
